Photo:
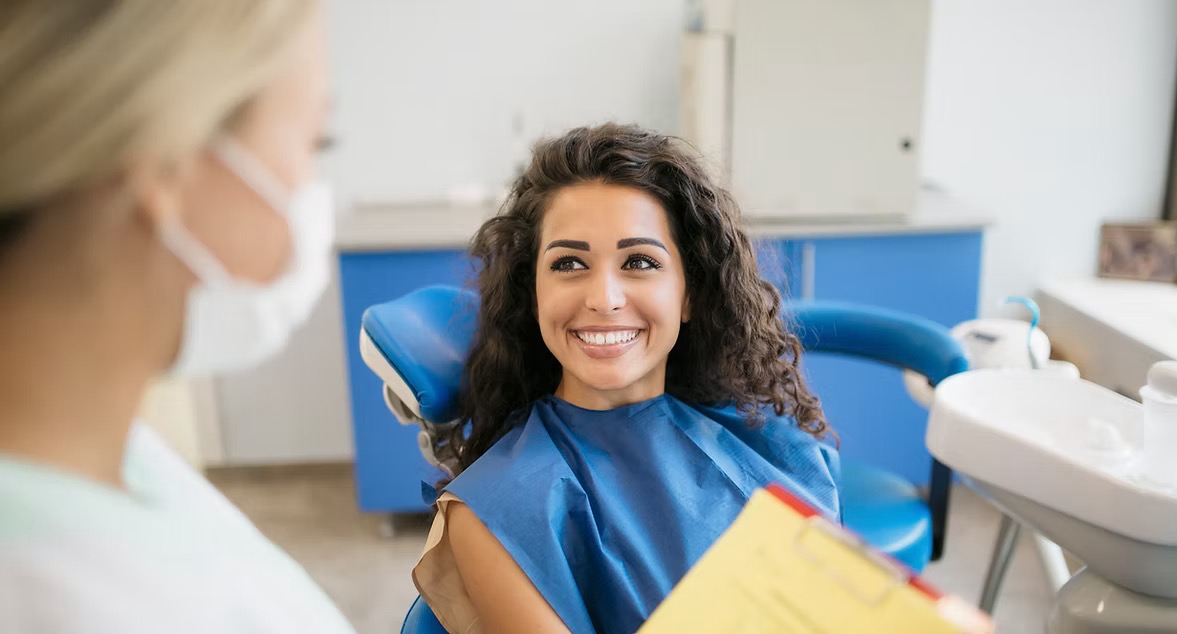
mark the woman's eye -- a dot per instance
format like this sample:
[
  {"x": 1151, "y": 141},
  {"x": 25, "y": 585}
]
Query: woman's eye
[
  {"x": 568, "y": 263},
  {"x": 325, "y": 143},
  {"x": 641, "y": 263}
]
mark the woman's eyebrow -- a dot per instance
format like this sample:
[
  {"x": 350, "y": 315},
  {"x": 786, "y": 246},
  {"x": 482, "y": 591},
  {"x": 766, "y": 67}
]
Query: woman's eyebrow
[
  {"x": 568, "y": 244},
  {"x": 633, "y": 242}
]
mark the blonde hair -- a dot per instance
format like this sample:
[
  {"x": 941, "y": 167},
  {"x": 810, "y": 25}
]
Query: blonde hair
[{"x": 93, "y": 86}]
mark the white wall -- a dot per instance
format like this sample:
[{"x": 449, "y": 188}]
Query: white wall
[
  {"x": 427, "y": 90},
  {"x": 1054, "y": 116},
  {"x": 295, "y": 406},
  {"x": 169, "y": 407}
]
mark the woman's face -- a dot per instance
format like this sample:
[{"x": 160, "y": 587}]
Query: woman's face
[
  {"x": 610, "y": 293},
  {"x": 282, "y": 128}
]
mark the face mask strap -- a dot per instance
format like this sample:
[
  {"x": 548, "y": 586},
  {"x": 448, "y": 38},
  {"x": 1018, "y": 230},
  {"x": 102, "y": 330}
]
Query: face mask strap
[
  {"x": 176, "y": 237},
  {"x": 251, "y": 171}
]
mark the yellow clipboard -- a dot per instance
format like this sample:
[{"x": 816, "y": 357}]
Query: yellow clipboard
[{"x": 782, "y": 567}]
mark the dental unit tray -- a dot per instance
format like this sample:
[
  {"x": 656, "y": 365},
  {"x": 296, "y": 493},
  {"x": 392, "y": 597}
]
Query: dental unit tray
[{"x": 1063, "y": 455}]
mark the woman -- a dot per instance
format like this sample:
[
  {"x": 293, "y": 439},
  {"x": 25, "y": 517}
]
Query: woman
[
  {"x": 158, "y": 214},
  {"x": 630, "y": 385}
]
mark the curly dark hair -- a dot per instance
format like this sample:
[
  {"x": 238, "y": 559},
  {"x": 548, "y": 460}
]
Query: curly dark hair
[{"x": 735, "y": 348}]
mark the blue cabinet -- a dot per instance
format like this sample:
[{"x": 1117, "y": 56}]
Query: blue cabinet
[
  {"x": 781, "y": 263},
  {"x": 936, "y": 276},
  {"x": 388, "y": 467}
]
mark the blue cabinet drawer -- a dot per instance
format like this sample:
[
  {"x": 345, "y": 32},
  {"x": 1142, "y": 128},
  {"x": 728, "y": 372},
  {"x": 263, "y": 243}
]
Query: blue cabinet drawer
[
  {"x": 389, "y": 468},
  {"x": 934, "y": 276},
  {"x": 780, "y": 263}
]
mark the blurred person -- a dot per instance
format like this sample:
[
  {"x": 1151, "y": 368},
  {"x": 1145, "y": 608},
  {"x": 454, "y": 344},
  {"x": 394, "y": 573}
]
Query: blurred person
[{"x": 159, "y": 214}]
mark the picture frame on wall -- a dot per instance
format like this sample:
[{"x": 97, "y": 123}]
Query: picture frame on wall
[{"x": 1143, "y": 251}]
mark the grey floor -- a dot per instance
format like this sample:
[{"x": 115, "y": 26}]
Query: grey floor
[{"x": 311, "y": 512}]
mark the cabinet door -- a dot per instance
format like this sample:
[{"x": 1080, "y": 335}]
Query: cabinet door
[
  {"x": 781, "y": 263},
  {"x": 934, "y": 276},
  {"x": 826, "y": 99},
  {"x": 389, "y": 467}
]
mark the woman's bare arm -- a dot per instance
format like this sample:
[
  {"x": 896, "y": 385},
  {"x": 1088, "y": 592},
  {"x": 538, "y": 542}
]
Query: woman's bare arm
[{"x": 504, "y": 597}]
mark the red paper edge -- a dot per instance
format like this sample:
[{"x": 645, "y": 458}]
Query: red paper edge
[
  {"x": 794, "y": 502},
  {"x": 807, "y": 511}
]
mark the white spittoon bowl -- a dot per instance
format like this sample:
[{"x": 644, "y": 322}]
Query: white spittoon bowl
[{"x": 1062, "y": 455}]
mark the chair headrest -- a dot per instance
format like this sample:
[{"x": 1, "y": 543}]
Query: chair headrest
[
  {"x": 418, "y": 345},
  {"x": 888, "y": 336}
]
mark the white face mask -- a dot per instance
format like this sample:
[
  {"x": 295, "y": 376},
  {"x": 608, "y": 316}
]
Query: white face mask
[{"x": 231, "y": 324}]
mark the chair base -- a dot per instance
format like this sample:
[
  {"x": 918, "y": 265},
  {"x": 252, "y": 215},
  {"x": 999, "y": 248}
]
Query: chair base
[{"x": 888, "y": 513}]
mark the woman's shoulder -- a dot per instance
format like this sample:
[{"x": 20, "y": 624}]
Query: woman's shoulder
[
  {"x": 525, "y": 455},
  {"x": 762, "y": 419},
  {"x": 806, "y": 463}
]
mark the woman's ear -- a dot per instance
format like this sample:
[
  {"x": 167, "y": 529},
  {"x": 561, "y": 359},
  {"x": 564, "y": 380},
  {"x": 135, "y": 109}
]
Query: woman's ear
[
  {"x": 686, "y": 309},
  {"x": 157, "y": 189}
]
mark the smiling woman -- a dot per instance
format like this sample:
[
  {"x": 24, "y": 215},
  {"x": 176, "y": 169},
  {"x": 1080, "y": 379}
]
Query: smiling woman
[{"x": 630, "y": 385}]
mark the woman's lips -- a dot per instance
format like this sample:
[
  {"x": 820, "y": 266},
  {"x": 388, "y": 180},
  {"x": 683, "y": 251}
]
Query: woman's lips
[{"x": 606, "y": 344}]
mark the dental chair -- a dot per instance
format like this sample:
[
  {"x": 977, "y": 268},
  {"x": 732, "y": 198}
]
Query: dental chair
[{"x": 417, "y": 345}]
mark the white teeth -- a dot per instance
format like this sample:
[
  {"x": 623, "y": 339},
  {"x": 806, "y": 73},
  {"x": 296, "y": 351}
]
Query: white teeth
[{"x": 607, "y": 338}]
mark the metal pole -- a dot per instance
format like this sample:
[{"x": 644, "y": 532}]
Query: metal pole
[{"x": 1003, "y": 552}]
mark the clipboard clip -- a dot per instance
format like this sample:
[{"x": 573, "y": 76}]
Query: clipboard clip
[{"x": 897, "y": 574}]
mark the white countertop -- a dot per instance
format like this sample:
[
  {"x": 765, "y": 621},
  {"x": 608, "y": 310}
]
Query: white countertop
[
  {"x": 398, "y": 228},
  {"x": 1145, "y": 312}
]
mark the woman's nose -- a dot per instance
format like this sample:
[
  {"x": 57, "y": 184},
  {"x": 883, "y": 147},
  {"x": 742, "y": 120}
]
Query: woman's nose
[{"x": 606, "y": 294}]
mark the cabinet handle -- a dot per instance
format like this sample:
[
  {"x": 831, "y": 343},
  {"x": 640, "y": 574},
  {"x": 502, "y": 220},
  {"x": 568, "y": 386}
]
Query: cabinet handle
[{"x": 808, "y": 269}]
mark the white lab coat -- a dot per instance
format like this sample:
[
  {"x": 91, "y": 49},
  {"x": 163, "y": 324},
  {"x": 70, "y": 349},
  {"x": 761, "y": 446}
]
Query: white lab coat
[{"x": 170, "y": 555}]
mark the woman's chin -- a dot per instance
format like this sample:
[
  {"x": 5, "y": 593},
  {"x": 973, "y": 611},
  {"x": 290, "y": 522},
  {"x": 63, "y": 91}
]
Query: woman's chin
[{"x": 611, "y": 386}]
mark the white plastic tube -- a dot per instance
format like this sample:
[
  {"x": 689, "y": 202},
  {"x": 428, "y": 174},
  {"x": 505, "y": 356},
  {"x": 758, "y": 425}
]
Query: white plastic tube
[{"x": 1160, "y": 425}]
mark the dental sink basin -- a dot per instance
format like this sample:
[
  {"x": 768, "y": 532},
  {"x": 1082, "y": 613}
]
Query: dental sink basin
[{"x": 1063, "y": 455}]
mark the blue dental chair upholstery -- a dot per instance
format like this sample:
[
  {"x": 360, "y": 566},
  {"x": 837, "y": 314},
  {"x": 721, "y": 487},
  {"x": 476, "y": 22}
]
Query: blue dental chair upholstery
[
  {"x": 885, "y": 510},
  {"x": 417, "y": 345}
]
